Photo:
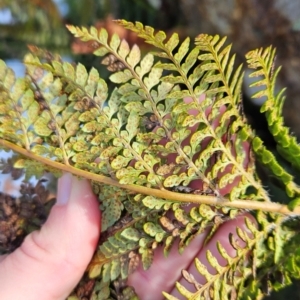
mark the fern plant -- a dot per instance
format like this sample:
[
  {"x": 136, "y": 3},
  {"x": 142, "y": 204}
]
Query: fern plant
[{"x": 167, "y": 143}]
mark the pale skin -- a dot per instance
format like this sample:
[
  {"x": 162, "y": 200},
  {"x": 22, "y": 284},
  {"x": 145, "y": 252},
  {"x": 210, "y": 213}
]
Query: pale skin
[{"x": 51, "y": 261}]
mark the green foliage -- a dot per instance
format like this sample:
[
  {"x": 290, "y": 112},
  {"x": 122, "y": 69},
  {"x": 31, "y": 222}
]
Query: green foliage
[
  {"x": 263, "y": 62},
  {"x": 31, "y": 23},
  {"x": 171, "y": 125}
]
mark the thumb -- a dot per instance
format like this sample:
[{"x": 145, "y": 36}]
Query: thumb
[{"x": 51, "y": 261}]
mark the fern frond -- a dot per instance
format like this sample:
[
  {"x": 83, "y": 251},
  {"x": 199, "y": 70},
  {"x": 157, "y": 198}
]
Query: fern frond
[
  {"x": 263, "y": 60},
  {"x": 218, "y": 281},
  {"x": 138, "y": 235},
  {"x": 252, "y": 260},
  {"x": 266, "y": 157},
  {"x": 216, "y": 68},
  {"x": 63, "y": 112},
  {"x": 15, "y": 99}
]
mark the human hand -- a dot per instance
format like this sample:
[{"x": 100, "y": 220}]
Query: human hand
[{"x": 51, "y": 261}]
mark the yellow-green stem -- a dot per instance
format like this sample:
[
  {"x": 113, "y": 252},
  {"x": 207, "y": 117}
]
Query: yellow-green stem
[{"x": 165, "y": 194}]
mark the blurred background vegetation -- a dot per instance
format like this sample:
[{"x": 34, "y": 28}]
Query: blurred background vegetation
[{"x": 248, "y": 24}]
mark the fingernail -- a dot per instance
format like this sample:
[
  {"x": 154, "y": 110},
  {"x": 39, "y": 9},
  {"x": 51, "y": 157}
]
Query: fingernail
[{"x": 64, "y": 189}]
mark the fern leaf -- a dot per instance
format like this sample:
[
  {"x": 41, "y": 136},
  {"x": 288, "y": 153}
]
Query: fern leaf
[
  {"x": 15, "y": 99},
  {"x": 218, "y": 68},
  {"x": 263, "y": 62},
  {"x": 219, "y": 280}
]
